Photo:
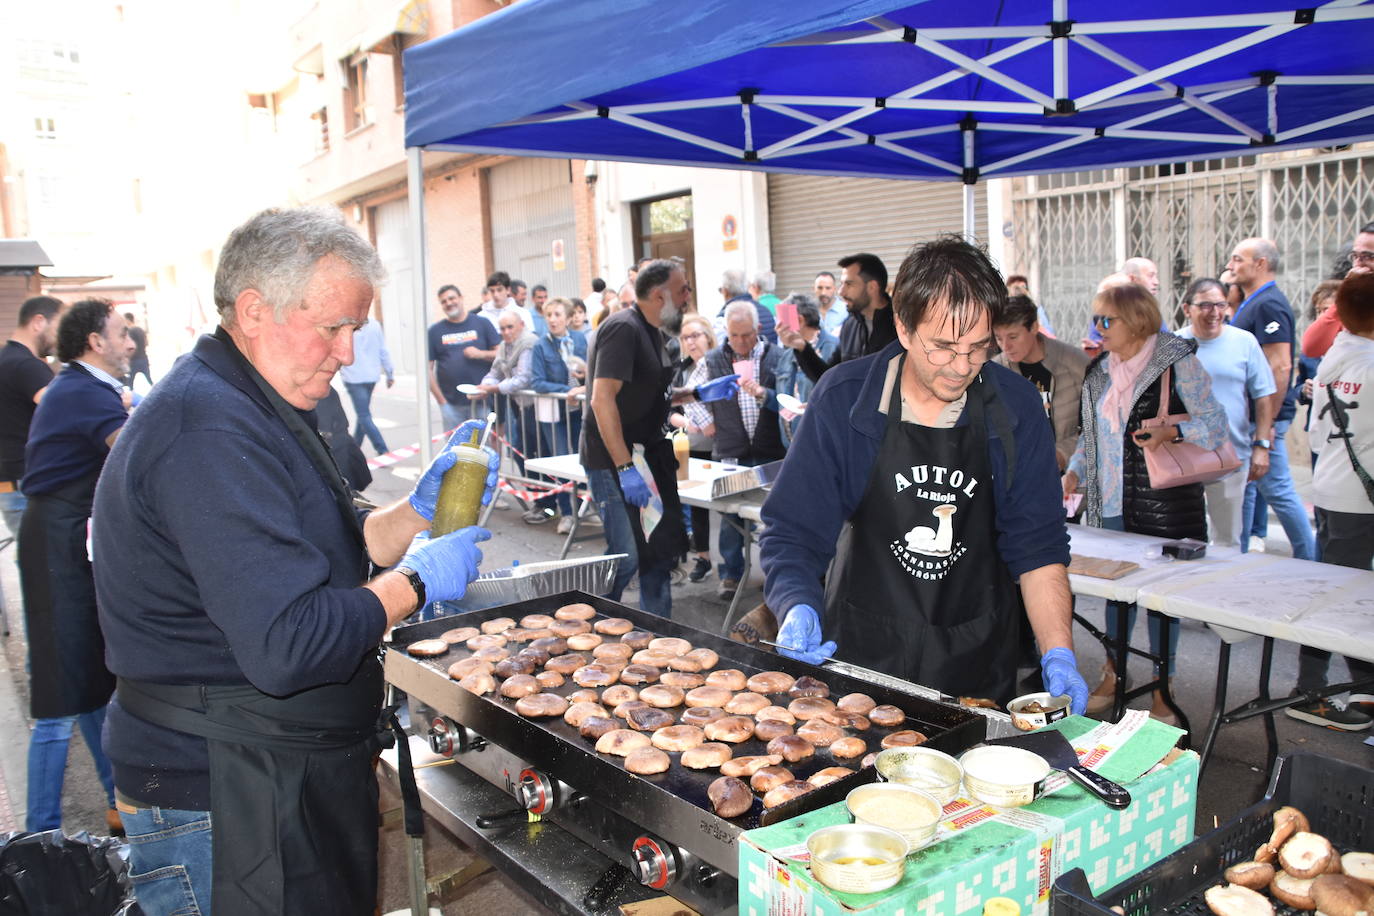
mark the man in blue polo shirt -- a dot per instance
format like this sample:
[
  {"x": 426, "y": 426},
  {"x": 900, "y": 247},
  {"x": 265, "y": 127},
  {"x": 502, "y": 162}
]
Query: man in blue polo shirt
[
  {"x": 81, "y": 413},
  {"x": 1265, "y": 313}
]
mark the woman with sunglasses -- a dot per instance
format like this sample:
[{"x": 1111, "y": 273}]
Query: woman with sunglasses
[{"x": 1122, "y": 388}]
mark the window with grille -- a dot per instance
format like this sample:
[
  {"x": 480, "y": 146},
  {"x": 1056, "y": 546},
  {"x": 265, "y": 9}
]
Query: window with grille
[{"x": 355, "y": 94}]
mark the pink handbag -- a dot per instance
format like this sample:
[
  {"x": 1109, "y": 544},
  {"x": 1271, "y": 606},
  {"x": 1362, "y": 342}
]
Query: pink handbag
[{"x": 1174, "y": 464}]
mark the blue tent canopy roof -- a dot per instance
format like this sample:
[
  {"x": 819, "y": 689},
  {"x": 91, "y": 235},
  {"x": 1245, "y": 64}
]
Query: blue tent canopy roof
[{"x": 944, "y": 89}]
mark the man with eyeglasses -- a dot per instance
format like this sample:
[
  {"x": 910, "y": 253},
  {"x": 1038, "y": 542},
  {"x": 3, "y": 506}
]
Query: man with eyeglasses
[
  {"x": 1242, "y": 383},
  {"x": 1320, "y": 334},
  {"x": 1266, "y": 314},
  {"x": 942, "y": 467}
]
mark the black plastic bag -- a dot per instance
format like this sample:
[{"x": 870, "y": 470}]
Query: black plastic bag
[{"x": 48, "y": 874}]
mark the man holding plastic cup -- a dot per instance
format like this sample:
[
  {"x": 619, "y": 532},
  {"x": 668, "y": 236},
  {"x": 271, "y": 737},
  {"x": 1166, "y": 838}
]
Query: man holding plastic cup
[
  {"x": 631, "y": 468},
  {"x": 241, "y": 616}
]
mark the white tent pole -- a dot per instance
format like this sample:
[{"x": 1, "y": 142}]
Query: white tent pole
[
  {"x": 1061, "y": 52},
  {"x": 970, "y": 226},
  {"x": 1324, "y": 124},
  {"x": 970, "y": 129},
  {"x": 415, "y": 182},
  {"x": 988, "y": 73}
]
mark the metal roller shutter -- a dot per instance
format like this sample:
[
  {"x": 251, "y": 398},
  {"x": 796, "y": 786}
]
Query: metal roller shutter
[
  {"x": 815, "y": 220},
  {"x": 531, "y": 207}
]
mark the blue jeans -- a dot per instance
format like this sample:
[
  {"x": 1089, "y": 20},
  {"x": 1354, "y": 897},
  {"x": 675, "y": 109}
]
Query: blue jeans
[
  {"x": 1154, "y": 620},
  {"x": 455, "y": 414},
  {"x": 12, "y": 508},
  {"x": 620, "y": 523},
  {"x": 48, "y": 765},
  {"x": 732, "y": 547},
  {"x": 170, "y": 860},
  {"x": 1277, "y": 487},
  {"x": 360, "y": 393}
]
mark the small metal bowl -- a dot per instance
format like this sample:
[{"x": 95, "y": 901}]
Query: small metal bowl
[
  {"x": 857, "y": 858},
  {"x": 1008, "y": 777},
  {"x": 922, "y": 768},
  {"x": 907, "y": 810},
  {"x": 1056, "y": 708}
]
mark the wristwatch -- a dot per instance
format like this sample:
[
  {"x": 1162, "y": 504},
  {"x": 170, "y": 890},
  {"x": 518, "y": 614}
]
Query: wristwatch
[
  {"x": 416, "y": 583},
  {"x": 627, "y": 466},
  {"x": 1261, "y": 443}
]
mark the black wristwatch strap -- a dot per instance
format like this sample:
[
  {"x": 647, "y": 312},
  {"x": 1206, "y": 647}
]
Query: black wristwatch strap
[
  {"x": 416, "y": 583},
  {"x": 627, "y": 466}
]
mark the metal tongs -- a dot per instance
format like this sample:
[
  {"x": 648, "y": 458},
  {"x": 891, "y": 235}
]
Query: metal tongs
[{"x": 875, "y": 677}]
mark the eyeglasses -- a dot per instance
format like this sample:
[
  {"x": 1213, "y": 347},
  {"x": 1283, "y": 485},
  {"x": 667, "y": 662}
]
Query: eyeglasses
[
  {"x": 943, "y": 356},
  {"x": 1105, "y": 321},
  {"x": 1362, "y": 257},
  {"x": 695, "y": 335},
  {"x": 1210, "y": 306}
]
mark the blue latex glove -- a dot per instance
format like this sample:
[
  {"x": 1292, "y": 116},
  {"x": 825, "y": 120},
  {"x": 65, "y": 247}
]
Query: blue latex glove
[
  {"x": 718, "y": 389},
  {"x": 802, "y": 630},
  {"x": 633, "y": 486},
  {"x": 446, "y": 565},
  {"x": 426, "y": 493},
  {"x": 1059, "y": 668}
]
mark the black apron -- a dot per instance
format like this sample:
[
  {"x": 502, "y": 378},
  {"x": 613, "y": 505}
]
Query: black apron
[
  {"x": 922, "y": 593},
  {"x": 67, "y": 674},
  {"x": 293, "y": 795}
]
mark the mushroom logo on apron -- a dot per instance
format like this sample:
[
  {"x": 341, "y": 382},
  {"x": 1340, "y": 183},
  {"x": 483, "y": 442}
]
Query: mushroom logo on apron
[{"x": 929, "y": 551}]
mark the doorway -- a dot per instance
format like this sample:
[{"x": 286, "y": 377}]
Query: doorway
[{"x": 663, "y": 229}]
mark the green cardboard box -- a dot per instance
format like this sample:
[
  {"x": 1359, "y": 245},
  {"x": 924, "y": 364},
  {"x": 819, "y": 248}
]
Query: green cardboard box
[{"x": 1016, "y": 855}]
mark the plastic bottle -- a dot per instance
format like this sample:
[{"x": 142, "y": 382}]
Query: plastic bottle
[
  {"x": 460, "y": 495},
  {"x": 682, "y": 447}
]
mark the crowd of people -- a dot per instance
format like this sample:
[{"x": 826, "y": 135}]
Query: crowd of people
[{"x": 939, "y": 420}]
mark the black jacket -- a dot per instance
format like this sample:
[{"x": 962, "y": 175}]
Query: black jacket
[{"x": 855, "y": 341}]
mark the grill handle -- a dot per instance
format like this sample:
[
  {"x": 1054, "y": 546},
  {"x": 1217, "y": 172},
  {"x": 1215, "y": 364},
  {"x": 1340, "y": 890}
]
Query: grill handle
[{"x": 492, "y": 821}]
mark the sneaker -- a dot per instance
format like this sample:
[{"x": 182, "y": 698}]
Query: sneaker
[
  {"x": 1256, "y": 544},
  {"x": 1327, "y": 714},
  {"x": 727, "y": 589},
  {"x": 536, "y": 516},
  {"x": 591, "y": 518},
  {"x": 564, "y": 524},
  {"x": 701, "y": 569},
  {"x": 1361, "y": 702}
]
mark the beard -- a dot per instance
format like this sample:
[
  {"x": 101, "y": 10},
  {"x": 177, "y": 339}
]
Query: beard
[
  {"x": 858, "y": 303},
  {"x": 671, "y": 319}
]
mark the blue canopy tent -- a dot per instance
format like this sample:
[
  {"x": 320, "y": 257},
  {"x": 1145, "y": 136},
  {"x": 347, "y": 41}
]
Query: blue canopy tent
[{"x": 945, "y": 90}]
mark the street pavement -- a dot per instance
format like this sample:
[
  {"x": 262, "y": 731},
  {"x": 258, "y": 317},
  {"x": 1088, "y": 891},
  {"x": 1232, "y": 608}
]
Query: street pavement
[{"x": 1234, "y": 778}]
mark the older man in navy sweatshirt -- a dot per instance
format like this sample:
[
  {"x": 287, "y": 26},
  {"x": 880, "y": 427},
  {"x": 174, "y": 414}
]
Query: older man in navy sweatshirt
[
  {"x": 240, "y": 617},
  {"x": 942, "y": 466}
]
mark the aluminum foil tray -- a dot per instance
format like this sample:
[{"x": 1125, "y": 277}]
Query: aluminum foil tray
[{"x": 539, "y": 580}]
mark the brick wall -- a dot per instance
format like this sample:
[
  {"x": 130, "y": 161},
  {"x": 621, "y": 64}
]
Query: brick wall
[
  {"x": 459, "y": 242},
  {"x": 584, "y": 212}
]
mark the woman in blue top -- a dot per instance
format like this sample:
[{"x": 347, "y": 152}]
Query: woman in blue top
[{"x": 559, "y": 366}]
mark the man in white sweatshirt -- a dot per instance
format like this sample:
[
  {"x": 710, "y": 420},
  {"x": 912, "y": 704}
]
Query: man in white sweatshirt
[{"x": 1342, "y": 430}]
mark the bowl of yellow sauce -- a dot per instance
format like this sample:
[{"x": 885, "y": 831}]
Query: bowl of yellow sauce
[{"x": 857, "y": 858}]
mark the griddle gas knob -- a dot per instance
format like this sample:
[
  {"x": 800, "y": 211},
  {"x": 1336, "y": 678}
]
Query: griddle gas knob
[
  {"x": 536, "y": 792},
  {"x": 444, "y": 736},
  {"x": 655, "y": 862}
]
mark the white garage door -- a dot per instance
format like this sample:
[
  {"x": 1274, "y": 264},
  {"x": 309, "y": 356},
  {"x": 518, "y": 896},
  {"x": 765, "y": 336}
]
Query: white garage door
[
  {"x": 531, "y": 210},
  {"x": 815, "y": 220}
]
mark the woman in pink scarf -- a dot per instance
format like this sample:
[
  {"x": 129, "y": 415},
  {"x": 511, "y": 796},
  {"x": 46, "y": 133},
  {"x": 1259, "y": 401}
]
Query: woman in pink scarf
[{"x": 1123, "y": 387}]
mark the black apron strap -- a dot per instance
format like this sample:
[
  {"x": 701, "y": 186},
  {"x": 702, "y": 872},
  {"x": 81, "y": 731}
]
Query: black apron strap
[
  {"x": 1001, "y": 424},
  {"x": 310, "y": 440}
]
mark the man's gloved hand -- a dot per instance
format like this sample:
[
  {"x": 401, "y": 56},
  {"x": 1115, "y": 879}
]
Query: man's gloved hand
[
  {"x": 1059, "y": 668},
  {"x": 718, "y": 389},
  {"x": 633, "y": 486},
  {"x": 802, "y": 631},
  {"x": 426, "y": 493},
  {"x": 447, "y": 564}
]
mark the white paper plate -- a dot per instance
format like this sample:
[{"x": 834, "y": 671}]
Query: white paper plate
[
  {"x": 790, "y": 403},
  {"x": 469, "y": 389}
]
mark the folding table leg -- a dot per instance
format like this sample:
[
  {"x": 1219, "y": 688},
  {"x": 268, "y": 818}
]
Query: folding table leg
[
  {"x": 1271, "y": 735},
  {"x": 1123, "y": 642},
  {"x": 1166, "y": 623},
  {"x": 1218, "y": 705}
]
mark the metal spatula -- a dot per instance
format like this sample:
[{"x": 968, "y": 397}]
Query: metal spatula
[{"x": 1059, "y": 753}]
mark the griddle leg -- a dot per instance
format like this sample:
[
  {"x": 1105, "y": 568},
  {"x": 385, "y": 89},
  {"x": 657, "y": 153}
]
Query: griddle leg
[
  {"x": 1218, "y": 705},
  {"x": 419, "y": 889}
]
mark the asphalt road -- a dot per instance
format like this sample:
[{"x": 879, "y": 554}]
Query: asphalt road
[{"x": 1233, "y": 780}]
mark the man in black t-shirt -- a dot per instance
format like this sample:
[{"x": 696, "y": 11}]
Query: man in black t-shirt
[
  {"x": 1052, "y": 366},
  {"x": 1265, "y": 313},
  {"x": 462, "y": 345},
  {"x": 24, "y": 376},
  {"x": 630, "y": 392}
]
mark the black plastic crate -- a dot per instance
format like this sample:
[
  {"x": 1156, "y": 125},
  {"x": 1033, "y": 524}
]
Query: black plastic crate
[{"x": 1337, "y": 797}]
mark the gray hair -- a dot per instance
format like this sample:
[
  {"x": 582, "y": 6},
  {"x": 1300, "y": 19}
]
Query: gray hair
[
  {"x": 742, "y": 309},
  {"x": 1264, "y": 248},
  {"x": 276, "y": 252},
  {"x": 1135, "y": 267},
  {"x": 765, "y": 280},
  {"x": 651, "y": 276},
  {"x": 732, "y": 281}
]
